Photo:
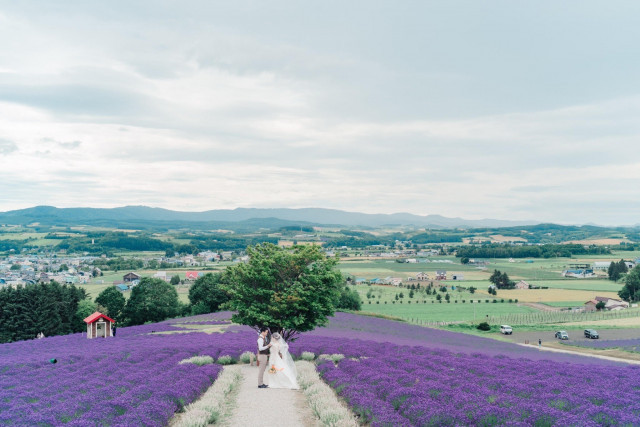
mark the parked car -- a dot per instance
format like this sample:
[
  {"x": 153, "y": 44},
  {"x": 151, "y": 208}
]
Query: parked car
[
  {"x": 591, "y": 333},
  {"x": 562, "y": 335},
  {"x": 506, "y": 329}
]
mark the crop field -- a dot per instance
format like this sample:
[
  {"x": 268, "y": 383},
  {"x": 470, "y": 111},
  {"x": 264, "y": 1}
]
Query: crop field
[
  {"x": 552, "y": 295},
  {"x": 447, "y": 312},
  {"x": 580, "y": 284},
  {"x": 398, "y": 378}
]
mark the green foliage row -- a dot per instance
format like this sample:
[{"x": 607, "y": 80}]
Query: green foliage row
[
  {"x": 495, "y": 250},
  {"x": 50, "y": 308}
]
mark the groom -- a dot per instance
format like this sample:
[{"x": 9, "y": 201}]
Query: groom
[{"x": 263, "y": 355}]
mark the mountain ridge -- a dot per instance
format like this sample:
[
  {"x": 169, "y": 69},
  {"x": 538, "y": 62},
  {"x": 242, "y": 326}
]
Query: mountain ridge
[{"x": 318, "y": 216}]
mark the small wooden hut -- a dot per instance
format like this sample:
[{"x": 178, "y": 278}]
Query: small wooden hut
[{"x": 99, "y": 325}]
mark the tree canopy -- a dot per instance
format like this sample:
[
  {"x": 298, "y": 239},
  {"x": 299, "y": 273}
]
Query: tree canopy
[
  {"x": 631, "y": 290},
  {"x": 206, "y": 294},
  {"x": 152, "y": 300},
  {"x": 113, "y": 300},
  {"x": 290, "y": 291},
  {"x": 617, "y": 270},
  {"x": 50, "y": 308}
]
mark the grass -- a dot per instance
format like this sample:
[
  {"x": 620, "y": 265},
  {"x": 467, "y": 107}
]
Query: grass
[
  {"x": 551, "y": 295},
  {"x": 446, "y": 312}
]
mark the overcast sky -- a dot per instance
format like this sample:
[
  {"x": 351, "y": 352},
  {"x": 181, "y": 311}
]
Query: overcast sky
[{"x": 496, "y": 109}]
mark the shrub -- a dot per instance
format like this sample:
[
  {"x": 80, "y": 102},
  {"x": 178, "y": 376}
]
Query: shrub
[
  {"x": 494, "y": 301},
  {"x": 484, "y": 326},
  {"x": 516, "y": 300},
  {"x": 502, "y": 300},
  {"x": 510, "y": 300},
  {"x": 377, "y": 302},
  {"x": 463, "y": 301},
  {"x": 226, "y": 360},
  {"x": 486, "y": 301},
  {"x": 198, "y": 360},
  {"x": 246, "y": 357},
  {"x": 308, "y": 356}
]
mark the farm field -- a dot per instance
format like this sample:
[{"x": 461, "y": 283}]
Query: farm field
[
  {"x": 447, "y": 312},
  {"x": 550, "y": 295},
  {"x": 580, "y": 284},
  {"x": 144, "y": 383}
]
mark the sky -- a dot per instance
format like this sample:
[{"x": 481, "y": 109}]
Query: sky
[{"x": 497, "y": 109}]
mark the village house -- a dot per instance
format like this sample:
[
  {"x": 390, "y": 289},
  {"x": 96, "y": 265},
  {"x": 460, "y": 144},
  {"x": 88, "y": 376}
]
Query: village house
[
  {"x": 522, "y": 285},
  {"x": 441, "y": 275},
  {"x": 192, "y": 275},
  {"x": 131, "y": 277},
  {"x": 609, "y": 304}
]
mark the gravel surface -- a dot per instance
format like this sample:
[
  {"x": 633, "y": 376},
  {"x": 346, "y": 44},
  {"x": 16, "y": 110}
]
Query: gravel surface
[
  {"x": 268, "y": 407},
  {"x": 575, "y": 335}
]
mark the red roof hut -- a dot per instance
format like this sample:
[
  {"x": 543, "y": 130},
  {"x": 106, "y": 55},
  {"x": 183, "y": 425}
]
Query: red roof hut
[{"x": 99, "y": 325}]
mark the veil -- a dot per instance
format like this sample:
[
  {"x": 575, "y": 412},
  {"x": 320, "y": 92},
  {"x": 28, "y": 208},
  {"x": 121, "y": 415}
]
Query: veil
[{"x": 290, "y": 370}]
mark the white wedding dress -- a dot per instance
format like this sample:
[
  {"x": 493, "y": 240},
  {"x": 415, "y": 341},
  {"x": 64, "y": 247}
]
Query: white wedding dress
[{"x": 281, "y": 371}]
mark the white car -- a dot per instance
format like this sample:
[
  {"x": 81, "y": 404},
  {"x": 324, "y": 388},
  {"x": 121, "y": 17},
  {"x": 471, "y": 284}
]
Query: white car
[{"x": 506, "y": 329}]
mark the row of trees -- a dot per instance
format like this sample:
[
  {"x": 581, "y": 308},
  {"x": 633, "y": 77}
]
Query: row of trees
[
  {"x": 50, "y": 308},
  {"x": 529, "y": 251}
]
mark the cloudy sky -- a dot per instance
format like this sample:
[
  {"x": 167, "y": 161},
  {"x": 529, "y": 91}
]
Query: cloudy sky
[{"x": 497, "y": 109}]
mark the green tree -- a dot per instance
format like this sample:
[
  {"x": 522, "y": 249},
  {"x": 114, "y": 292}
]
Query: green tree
[
  {"x": 411, "y": 293},
  {"x": 290, "y": 291},
  {"x": 472, "y": 290},
  {"x": 439, "y": 297},
  {"x": 85, "y": 309},
  {"x": 447, "y": 297},
  {"x": 617, "y": 269},
  {"x": 15, "y": 267},
  {"x": 600, "y": 305},
  {"x": 349, "y": 300},
  {"x": 152, "y": 300},
  {"x": 207, "y": 292},
  {"x": 631, "y": 290},
  {"x": 464, "y": 260},
  {"x": 113, "y": 300},
  {"x": 175, "y": 280}
]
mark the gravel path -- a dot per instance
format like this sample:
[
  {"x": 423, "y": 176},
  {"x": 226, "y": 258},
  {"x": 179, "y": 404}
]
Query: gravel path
[
  {"x": 598, "y": 356},
  {"x": 268, "y": 407}
]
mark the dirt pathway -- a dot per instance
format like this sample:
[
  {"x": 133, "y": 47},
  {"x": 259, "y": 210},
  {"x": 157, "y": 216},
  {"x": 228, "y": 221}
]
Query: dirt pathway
[
  {"x": 541, "y": 307},
  {"x": 268, "y": 407},
  {"x": 598, "y": 356}
]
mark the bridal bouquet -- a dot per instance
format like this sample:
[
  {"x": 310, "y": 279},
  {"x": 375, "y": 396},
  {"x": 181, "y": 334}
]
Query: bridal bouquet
[{"x": 273, "y": 369}]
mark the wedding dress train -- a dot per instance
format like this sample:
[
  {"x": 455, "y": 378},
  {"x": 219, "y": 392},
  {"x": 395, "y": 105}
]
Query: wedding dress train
[{"x": 281, "y": 371}]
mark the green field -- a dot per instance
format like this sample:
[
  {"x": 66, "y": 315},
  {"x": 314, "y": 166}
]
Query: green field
[
  {"x": 580, "y": 284},
  {"x": 446, "y": 312}
]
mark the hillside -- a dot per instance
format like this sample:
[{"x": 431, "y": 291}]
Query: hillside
[{"x": 392, "y": 374}]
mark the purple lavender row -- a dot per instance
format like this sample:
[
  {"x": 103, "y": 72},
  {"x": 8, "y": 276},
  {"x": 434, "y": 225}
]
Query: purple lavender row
[{"x": 401, "y": 386}]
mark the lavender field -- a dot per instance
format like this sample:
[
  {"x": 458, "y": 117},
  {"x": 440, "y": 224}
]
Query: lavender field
[
  {"x": 402, "y": 375},
  {"x": 132, "y": 379}
]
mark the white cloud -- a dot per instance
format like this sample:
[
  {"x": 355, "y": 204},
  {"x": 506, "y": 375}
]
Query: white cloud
[{"x": 218, "y": 109}]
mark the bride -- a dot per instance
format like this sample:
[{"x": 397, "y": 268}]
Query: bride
[{"x": 281, "y": 371}]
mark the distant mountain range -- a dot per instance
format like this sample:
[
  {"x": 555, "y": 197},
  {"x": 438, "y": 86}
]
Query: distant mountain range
[{"x": 132, "y": 215}]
